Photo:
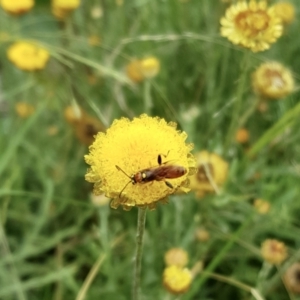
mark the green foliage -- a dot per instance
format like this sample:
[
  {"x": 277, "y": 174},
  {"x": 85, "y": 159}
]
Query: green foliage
[{"x": 52, "y": 236}]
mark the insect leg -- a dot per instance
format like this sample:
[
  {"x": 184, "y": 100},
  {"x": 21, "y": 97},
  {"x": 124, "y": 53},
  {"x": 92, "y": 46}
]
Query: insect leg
[
  {"x": 159, "y": 160},
  {"x": 168, "y": 184}
]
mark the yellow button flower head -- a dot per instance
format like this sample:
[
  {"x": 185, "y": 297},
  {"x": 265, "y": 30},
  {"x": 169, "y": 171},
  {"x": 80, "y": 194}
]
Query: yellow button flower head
[
  {"x": 285, "y": 11},
  {"x": 292, "y": 278},
  {"x": 62, "y": 8},
  {"x": 202, "y": 235},
  {"x": 28, "y": 56},
  {"x": 150, "y": 67},
  {"x": 177, "y": 257},
  {"x": 242, "y": 136},
  {"x": 176, "y": 279},
  {"x": 133, "y": 146},
  {"x": 273, "y": 81},
  {"x": 17, "y": 7},
  {"x": 273, "y": 251},
  {"x": 262, "y": 206},
  {"x": 24, "y": 110},
  {"x": 85, "y": 126},
  {"x": 134, "y": 71},
  {"x": 252, "y": 25},
  {"x": 212, "y": 173}
]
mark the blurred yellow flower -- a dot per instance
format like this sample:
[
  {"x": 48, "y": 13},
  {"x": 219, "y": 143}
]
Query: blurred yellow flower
[
  {"x": 176, "y": 279},
  {"x": 62, "y": 8},
  {"x": 212, "y": 173},
  {"x": 202, "y": 235},
  {"x": 52, "y": 130},
  {"x": 242, "y": 136},
  {"x": 94, "y": 40},
  {"x": 139, "y": 69},
  {"x": 134, "y": 72},
  {"x": 273, "y": 81},
  {"x": 17, "y": 7},
  {"x": 292, "y": 279},
  {"x": 273, "y": 251},
  {"x": 85, "y": 126},
  {"x": 150, "y": 67},
  {"x": 24, "y": 110},
  {"x": 132, "y": 149},
  {"x": 28, "y": 56},
  {"x": 285, "y": 11},
  {"x": 262, "y": 206},
  {"x": 177, "y": 257},
  {"x": 251, "y": 24}
]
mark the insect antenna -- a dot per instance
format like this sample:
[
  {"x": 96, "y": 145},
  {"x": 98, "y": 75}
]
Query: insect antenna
[
  {"x": 124, "y": 188},
  {"x": 123, "y": 172}
]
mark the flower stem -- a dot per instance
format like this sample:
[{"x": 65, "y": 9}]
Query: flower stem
[
  {"x": 238, "y": 103},
  {"x": 138, "y": 253}
]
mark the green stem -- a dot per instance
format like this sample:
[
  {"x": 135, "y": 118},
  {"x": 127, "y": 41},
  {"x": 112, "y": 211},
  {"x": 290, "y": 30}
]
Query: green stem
[
  {"x": 216, "y": 261},
  {"x": 147, "y": 97},
  {"x": 138, "y": 254},
  {"x": 238, "y": 103}
]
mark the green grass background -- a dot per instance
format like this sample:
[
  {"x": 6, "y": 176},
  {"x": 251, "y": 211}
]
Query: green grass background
[{"x": 51, "y": 235}]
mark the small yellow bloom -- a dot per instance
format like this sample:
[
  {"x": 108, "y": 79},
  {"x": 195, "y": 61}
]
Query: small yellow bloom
[
  {"x": 252, "y": 25},
  {"x": 24, "y": 110},
  {"x": 94, "y": 40},
  {"x": 202, "y": 235},
  {"x": 292, "y": 278},
  {"x": 176, "y": 279},
  {"x": 85, "y": 126},
  {"x": 273, "y": 81},
  {"x": 17, "y": 7},
  {"x": 52, "y": 130},
  {"x": 131, "y": 147},
  {"x": 262, "y": 206},
  {"x": 150, "y": 67},
  {"x": 285, "y": 11},
  {"x": 62, "y": 8},
  {"x": 212, "y": 173},
  {"x": 177, "y": 257},
  {"x": 242, "y": 136},
  {"x": 28, "y": 56},
  {"x": 273, "y": 251},
  {"x": 134, "y": 71}
]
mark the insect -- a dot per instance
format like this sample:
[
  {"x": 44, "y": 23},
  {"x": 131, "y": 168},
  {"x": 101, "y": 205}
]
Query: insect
[{"x": 159, "y": 173}]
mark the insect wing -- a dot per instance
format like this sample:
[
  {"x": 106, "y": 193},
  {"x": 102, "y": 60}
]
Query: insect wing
[{"x": 168, "y": 171}]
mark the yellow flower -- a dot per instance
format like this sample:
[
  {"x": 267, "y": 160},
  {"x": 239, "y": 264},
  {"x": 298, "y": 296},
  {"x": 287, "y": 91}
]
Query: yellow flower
[
  {"x": 262, "y": 206},
  {"x": 285, "y": 11},
  {"x": 134, "y": 72},
  {"x": 150, "y": 67},
  {"x": 242, "y": 136},
  {"x": 176, "y": 279},
  {"x": 252, "y": 25},
  {"x": 292, "y": 279},
  {"x": 202, "y": 235},
  {"x": 85, "y": 126},
  {"x": 17, "y": 7},
  {"x": 128, "y": 148},
  {"x": 273, "y": 81},
  {"x": 212, "y": 173},
  {"x": 24, "y": 110},
  {"x": 28, "y": 56},
  {"x": 94, "y": 40},
  {"x": 62, "y": 8},
  {"x": 177, "y": 257},
  {"x": 273, "y": 251}
]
